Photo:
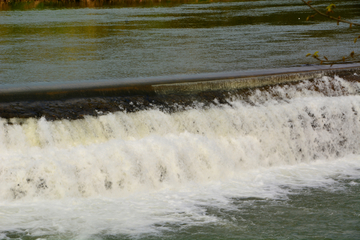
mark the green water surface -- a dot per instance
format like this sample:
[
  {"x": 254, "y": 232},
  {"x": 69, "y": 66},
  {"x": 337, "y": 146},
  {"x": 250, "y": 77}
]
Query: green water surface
[{"x": 48, "y": 42}]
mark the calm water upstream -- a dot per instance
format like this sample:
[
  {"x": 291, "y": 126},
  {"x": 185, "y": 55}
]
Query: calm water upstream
[
  {"x": 282, "y": 162},
  {"x": 75, "y": 44}
]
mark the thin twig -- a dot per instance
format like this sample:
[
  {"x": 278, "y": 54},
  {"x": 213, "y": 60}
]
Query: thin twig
[
  {"x": 351, "y": 58},
  {"x": 328, "y": 16}
]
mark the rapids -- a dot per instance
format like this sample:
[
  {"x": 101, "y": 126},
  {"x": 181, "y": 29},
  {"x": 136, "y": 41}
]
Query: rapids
[{"x": 136, "y": 174}]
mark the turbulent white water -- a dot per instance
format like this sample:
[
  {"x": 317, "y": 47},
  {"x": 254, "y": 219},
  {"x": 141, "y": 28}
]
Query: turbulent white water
[{"x": 122, "y": 173}]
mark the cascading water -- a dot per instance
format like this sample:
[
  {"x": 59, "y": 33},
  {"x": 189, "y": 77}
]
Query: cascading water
[{"x": 153, "y": 173}]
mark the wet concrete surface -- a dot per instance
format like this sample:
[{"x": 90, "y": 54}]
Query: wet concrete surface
[{"x": 77, "y": 108}]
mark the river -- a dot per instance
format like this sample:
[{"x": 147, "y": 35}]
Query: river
[
  {"x": 279, "y": 162},
  {"x": 53, "y": 44}
]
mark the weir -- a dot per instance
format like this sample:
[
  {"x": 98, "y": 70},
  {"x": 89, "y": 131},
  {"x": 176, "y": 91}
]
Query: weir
[
  {"x": 123, "y": 152},
  {"x": 178, "y": 159},
  {"x": 76, "y": 99}
]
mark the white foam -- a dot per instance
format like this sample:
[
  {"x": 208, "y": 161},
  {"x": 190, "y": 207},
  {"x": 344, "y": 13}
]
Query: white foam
[
  {"x": 122, "y": 173},
  {"x": 138, "y": 213}
]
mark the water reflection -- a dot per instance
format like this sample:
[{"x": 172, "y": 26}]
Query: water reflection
[
  {"x": 40, "y": 5},
  {"x": 152, "y": 38}
]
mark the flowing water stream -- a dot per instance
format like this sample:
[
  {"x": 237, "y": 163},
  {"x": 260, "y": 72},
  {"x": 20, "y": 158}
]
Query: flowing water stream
[
  {"x": 282, "y": 162},
  {"x": 285, "y": 163}
]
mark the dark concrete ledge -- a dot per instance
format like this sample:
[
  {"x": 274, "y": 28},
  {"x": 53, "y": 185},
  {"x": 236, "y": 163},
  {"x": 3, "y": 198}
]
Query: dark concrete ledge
[
  {"x": 168, "y": 94},
  {"x": 180, "y": 84}
]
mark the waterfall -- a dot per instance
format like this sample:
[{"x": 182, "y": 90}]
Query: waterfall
[{"x": 120, "y": 153}]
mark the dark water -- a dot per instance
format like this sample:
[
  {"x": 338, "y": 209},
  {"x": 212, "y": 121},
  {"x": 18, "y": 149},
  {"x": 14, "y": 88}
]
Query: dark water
[{"x": 53, "y": 43}]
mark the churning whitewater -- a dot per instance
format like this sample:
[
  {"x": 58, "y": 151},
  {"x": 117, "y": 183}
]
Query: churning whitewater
[{"x": 129, "y": 173}]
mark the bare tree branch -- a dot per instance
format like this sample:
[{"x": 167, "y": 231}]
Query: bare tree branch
[{"x": 328, "y": 16}]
